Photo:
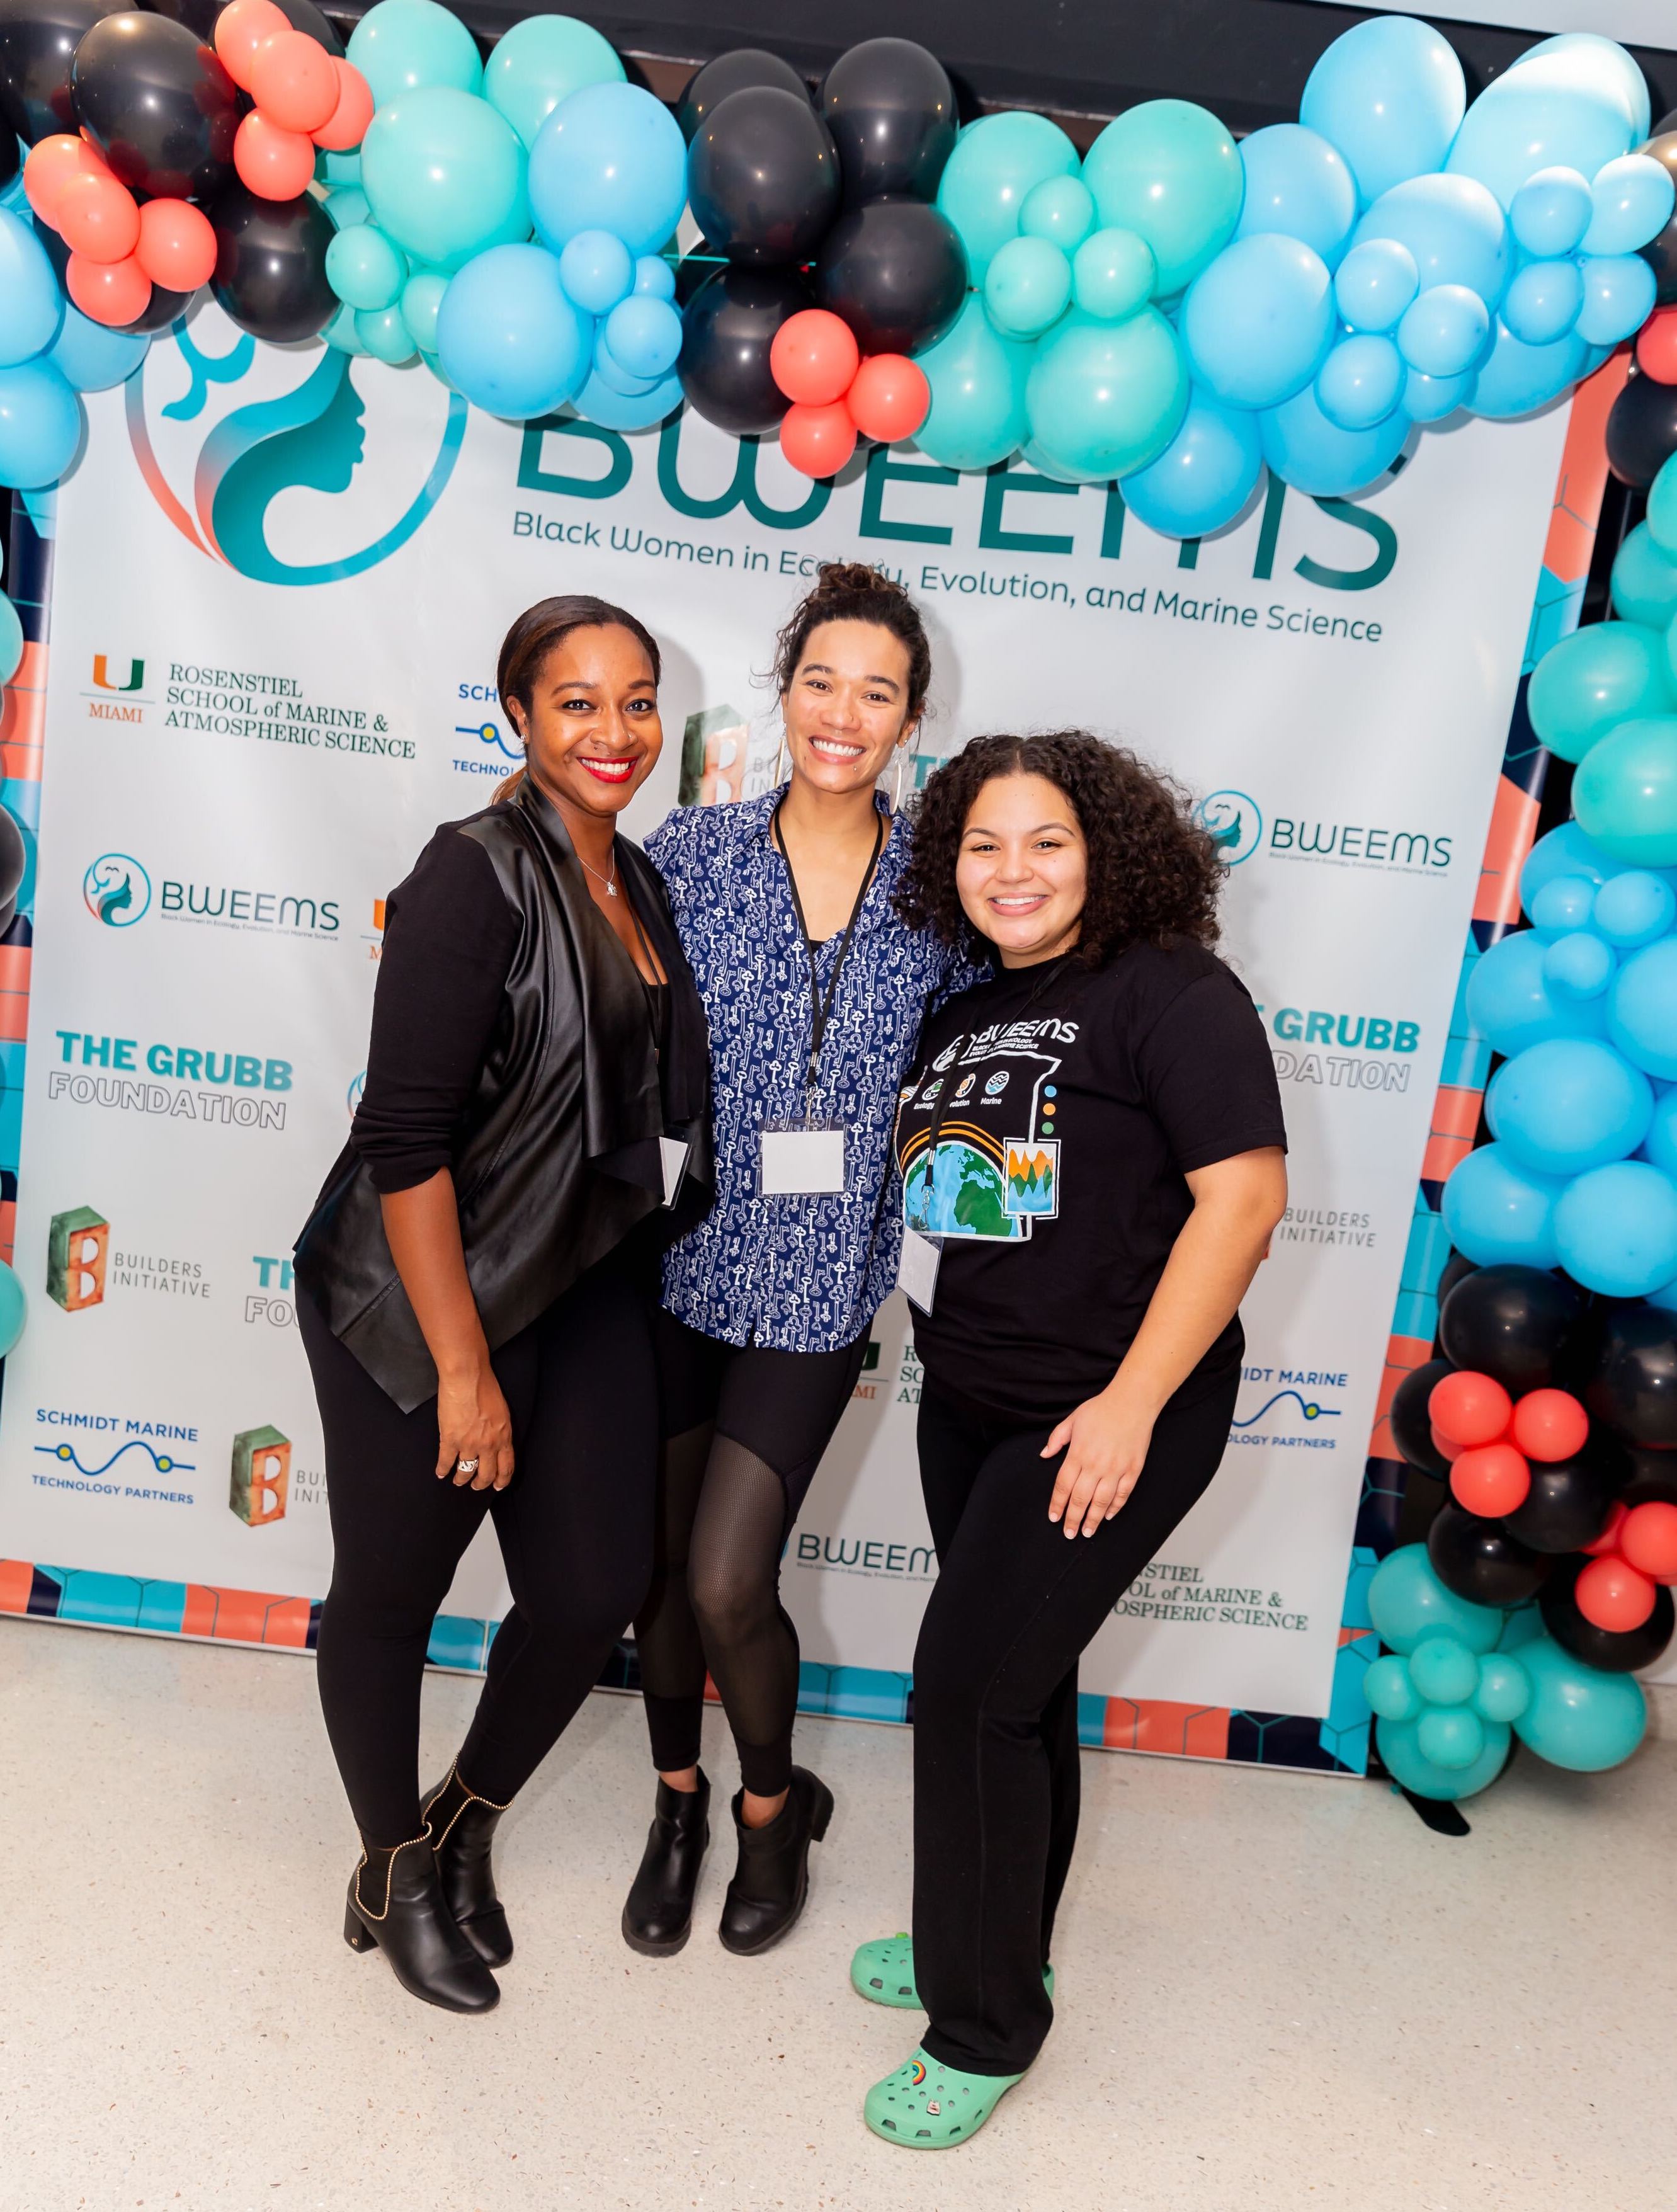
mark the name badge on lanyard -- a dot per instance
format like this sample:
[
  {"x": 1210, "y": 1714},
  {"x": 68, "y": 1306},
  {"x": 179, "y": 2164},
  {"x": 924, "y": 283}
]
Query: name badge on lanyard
[{"x": 917, "y": 1269}]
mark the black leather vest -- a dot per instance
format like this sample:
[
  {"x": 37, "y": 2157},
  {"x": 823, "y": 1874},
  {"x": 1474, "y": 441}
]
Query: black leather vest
[{"x": 557, "y": 1155}]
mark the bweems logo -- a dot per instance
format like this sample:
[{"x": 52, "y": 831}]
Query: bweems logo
[
  {"x": 261, "y": 1476},
  {"x": 280, "y": 421},
  {"x": 116, "y": 890},
  {"x": 1235, "y": 823}
]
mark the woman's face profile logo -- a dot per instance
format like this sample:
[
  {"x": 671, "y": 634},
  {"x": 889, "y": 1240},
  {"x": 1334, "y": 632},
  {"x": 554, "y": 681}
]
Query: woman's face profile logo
[{"x": 243, "y": 459}]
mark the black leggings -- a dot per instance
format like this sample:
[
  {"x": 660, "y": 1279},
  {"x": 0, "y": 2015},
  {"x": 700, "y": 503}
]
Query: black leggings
[
  {"x": 575, "y": 1526},
  {"x": 996, "y": 1703},
  {"x": 744, "y": 1428}
]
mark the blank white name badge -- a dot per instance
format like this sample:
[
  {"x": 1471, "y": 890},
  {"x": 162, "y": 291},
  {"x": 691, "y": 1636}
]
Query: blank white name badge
[
  {"x": 917, "y": 1269},
  {"x": 673, "y": 1153},
  {"x": 800, "y": 1162}
]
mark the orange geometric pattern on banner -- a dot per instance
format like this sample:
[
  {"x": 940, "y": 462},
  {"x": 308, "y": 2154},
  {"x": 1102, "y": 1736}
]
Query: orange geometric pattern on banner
[
  {"x": 1583, "y": 471},
  {"x": 1161, "y": 1725},
  {"x": 15, "y": 992},
  {"x": 23, "y": 718},
  {"x": 1404, "y": 1354},
  {"x": 17, "y": 1579},
  {"x": 1510, "y": 838},
  {"x": 233, "y": 1616},
  {"x": 1455, "y": 1119}
]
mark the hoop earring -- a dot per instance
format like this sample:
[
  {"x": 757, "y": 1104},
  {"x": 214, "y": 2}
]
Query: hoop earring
[
  {"x": 780, "y": 754},
  {"x": 897, "y": 795}
]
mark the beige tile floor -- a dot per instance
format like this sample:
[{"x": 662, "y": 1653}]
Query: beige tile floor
[{"x": 1276, "y": 1990}]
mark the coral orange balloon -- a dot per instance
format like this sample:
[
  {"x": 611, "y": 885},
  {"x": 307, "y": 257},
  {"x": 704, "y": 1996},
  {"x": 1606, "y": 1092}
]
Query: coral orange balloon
[
  {"x": 1656, "y": 347},
  {"x": 1470, "y": 1408},
  {"x": 177, "y": 247},
  {"x": 240, "y": 28},
  {"x": 96, "y": 218},
  {"x": 49, "y": 166},
  {"x": 889, "y": 397},
  {"x": 818, "y": 440},
  {"x": 346, "y": 126},
  {"x": 1648, "y": 1541},
  {"x": 1608, "y": 1539},
  {"x": 1446, "y": 1447},
  {"x": 292, "y": 82},
  {"x": 110, "y": 292},
  {"x": 1490, "y": 1479},
  {"x": 1550, "y": 1424},
  {"x": 1612, "y": 1595},
  {"x": 814, "y": 357},
  {"x": 274, "y": 164}
]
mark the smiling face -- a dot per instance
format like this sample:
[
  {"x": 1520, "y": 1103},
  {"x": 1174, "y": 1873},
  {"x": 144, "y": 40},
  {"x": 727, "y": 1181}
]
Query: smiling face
[
  {"x": 590, "y": 725},
  {"x": 846, "y": 708},
  {"x": 1023, "y": 870}
]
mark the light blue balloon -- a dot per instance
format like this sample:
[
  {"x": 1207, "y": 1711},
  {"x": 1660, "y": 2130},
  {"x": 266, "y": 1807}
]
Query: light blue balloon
[
  {"x": 617, "y": 410},
  {"x": 1565, "y": 1107},
  {"x": 31, "y": 303},
  {"x": 643, "y": 336},
  {"x": 1494, "y": 1211},
  {"x": 1389, "y": 1690},
  {"x": 1444, "y": 1670},
  {"x": 1518, "y": 379},
  {"x": 365, "y": 268},
  {"x": 1389, "y": 94},
  {"x": 1504, "y": 1688},
  {"x": 1556, "y": 107},
  {"x": 1315, "y": 456},
  {"x": 654, "y": 279},
  {"x": 14, "y": 1309},
  {"x": 1171, "y": 170},
  {"x": 444, "y": 174},
  {"x": 347, "y": 206},
  {"x": 1551, "y": 212},
  {"x": 1644, "y": 581},
  {"x": 598, "y": 270},
  {"x": 1027, "y": 288},
  {"x": 1205, "y": 476},
  {"x": 92, "y": 357},
  {"x": 1452, "y": 1737},
  {"x": 977, "y": 417},
  {"x": 1453, "y": 227},
  {"x": 1659, "y": 1145},
  {"x": 11, "y": 640},
  {"x": 422, "y": 299},
  {"x": 409, "y": 46},
  {"x": 1060, "y": 209},
  {"x": 1598, "y": 67},
  {"x": 542, "y": 61},
  {"x": 1113, "y": 274},
  {"x": 1361, "y": 381},
  {"x": 509, "y": 338},
  {"x": 1619, "y": 292},
  {"x": 1579, "y": 1716},
  {"x": 1374, "y": 283},
  {"x": 1578, "y": 965},
  {"x": 610, "y": 157},
  {"x": 1632, "y": 199},
  {"x": 1104, "y": 398},
  {"x": 1563, "y": 852},
  {"x": 1407, "y": 1603},
  {"x": 40, "y": 425},
  {"x": 1399, "y": 1746},
  {"x": 1542, "y": 303},
  {"x": 385, "y": 335},
  {"x": 1431, "y": 398},
  {"x": 1632, "y": 910},
  {"x": 998, "y": 162},
  {"x": 1587, "y": 684},
  {"x": 1257, "y": 324},
  {"x": 1444, "y": 331},
  {"x": 1564, "y": 903},
  {"x": 1616, "y": 1229},
  {"x": 1641, "y": 1012},
  {"x": 1510, "y": 1005},
  {"x": 609, "y": 372},
  {"x": 1299, "y": 185}
]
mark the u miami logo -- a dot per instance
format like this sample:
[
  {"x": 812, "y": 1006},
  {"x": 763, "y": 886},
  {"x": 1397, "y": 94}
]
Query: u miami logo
[
  {"x": 225, "y": 474},
  {"x": 104, "y": 678}
]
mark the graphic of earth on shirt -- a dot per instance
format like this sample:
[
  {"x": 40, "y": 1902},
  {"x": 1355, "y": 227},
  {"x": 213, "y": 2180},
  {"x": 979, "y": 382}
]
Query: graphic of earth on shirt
[{"x": 965, "y": 1199}]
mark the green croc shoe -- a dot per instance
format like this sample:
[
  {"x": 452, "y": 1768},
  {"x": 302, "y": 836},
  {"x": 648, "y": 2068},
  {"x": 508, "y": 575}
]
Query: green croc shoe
[
  {"x": 927, "y": 2106},
  {"x": 883, "y": 1972}
]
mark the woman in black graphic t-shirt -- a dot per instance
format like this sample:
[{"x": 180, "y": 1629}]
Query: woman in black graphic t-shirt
[{"x": 1092, "y": 1159}]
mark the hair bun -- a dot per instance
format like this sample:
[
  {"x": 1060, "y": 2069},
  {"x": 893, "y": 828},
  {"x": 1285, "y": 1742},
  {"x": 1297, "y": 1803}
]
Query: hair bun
[{"x": 854, "y": 579}]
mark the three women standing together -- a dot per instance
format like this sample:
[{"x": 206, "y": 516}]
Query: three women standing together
[{"x": 576, "y": 1272}]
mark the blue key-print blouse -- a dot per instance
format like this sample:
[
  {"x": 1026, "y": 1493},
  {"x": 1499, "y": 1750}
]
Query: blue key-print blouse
[{"x": 806, "y": 1273}]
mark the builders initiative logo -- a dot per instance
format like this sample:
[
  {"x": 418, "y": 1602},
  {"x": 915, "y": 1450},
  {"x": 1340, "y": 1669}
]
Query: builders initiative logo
[
  {"x": 117, "y": 891},
  {"x": 1236, "y": 825},
  {"x": 261, "y": 1476},
  {"x": 78, "y": 1254}
]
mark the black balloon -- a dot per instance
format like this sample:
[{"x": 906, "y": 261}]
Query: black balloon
[
  {"x": 14, "y": 858},
  {"x": 897, "y": 271},
  {"x": 1412, "y": 1429},
  {"x": 11, "y": 159},
  {"x": 1614, "y": 1651},
  {"x": 1642, "y": 430},
  {"x": 37, "y": 43},
  {"x": 162, "y": 309},
  {"x": 1511, "y": 1322},
  {"x": 199, "y": 17},
  {"x": 890, "y": 108},
  {"x": 729, "y": 73},
  {"x": 762, "y": 177},
  {"x": 1653, "y": 1479},
  {"x": 1481, "y": 1561},
  {"x": 157, "y": 103},
  {"x": 1451, "y": 1274},
  {"x": 1660, "y": 252},
  {"x": 727, "y": 328},
  {"x": 1571, "y": 1500},
  {"x": 1633, "y": 1385},
  {"x": 271, "y": 265}
]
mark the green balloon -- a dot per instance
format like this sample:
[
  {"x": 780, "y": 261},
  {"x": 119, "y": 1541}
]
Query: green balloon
[
  {"x": 1644, "y": 581},
  {"x": 422, "y": 296},
  {"x": 1169, "y": 170},
  {"x": 1602, "y": 675},
  {"x": 385, "y": 335},
  {"x": 1624, "y": 794},
  {"x": 1027, "y": 288},
  {"x": 444, "y": 175},
  {"x": 997, "y": 162},
  {"x": 1107, "y": 398},
  {"x": 1411, "y": 1769},
  {"x": 1579, "y": 1716},
  {"x": 977, "y": 378},
  {"x": 542, "y": 61},
  {"x": 1113, "y": 274},
  {"x": 364, "y": 269},
  {"x": 404, "y": 46},
  {"x": 1662, "y": 508},
  {"x": 1060, "y": 209},
  {"x": 11, "y": 640}
]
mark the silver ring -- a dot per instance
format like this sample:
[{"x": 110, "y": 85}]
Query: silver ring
[{"x": 466, "y": 1466}]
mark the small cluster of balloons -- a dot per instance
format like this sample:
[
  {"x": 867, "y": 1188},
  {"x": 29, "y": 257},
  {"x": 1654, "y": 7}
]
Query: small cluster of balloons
[
  {"x": 307, "y": 98},
  {"x": 835, "y": 395}
]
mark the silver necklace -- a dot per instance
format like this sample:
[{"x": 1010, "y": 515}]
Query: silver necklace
[{"x": 611, "y": 881}]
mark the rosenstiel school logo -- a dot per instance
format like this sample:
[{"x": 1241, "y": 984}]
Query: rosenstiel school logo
[
  {"x": 226, "y": 434},
  {"x": 116, "y": 889}
]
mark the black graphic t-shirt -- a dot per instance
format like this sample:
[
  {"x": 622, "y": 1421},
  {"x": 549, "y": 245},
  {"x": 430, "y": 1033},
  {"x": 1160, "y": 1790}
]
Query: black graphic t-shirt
[{"x": 1067, "y": 1109}]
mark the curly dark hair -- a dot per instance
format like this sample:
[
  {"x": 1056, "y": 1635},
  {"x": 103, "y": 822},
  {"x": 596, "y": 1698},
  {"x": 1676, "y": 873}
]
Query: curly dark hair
[
  {"x": 849, "y": 591},
  {"x": 1153, "y": 873}
]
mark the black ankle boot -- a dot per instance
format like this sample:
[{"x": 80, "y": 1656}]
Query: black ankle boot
[
  {"x": 772, "y": 1878},
  {"x": 462, "y": 1828},
  {"x": 658, "y": 1916},
  {"x": 396, "y": 1905}
]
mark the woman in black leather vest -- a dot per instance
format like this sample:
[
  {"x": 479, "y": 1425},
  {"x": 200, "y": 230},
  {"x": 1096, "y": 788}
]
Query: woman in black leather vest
[{"x": 476, "y": 1279}]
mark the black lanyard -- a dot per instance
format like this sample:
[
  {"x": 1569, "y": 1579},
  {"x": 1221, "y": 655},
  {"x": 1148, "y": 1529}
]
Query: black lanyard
[{"x": 820, "y": 1009}]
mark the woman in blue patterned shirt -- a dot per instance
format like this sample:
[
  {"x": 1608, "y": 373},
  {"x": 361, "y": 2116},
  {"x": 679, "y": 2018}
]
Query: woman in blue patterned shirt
[{"x": 814, "y": 988}]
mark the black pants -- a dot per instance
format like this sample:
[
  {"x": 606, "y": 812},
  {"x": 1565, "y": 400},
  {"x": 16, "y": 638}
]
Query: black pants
[
  {"x": 996, "y": 1777},
  {"x": 744, "y": 1428},
  {"x": 575, "y": 1526}
]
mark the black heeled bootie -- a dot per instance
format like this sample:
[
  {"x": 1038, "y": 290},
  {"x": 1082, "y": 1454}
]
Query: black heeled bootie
[
  {"x": 462, "y": 1826},
  {"x": 772, "y": 1877},
  {"x": 658, "y": 1916},
  {"x": 396, "y": 1905}
]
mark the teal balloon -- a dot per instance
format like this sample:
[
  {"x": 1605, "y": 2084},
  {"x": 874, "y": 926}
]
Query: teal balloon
[
  {"x": 341, "y": 333},
  {"x": 1407, "y": 1602},
  {"x": 1390, "y": 95},
  {"x": 1027, "y": 288},
  {"x": 1662, "y": 509},
  {"x": 1641, "y": 1011},
  {"x": 1616, "y": 1229},
  {"x": 1444, "y": 1670},
  {"x": 1518, "y": 379},
  {"x": 1104, "y": 398},
  {"x": 1510, "y": 1002},
  {"x": 365, "y": 268},
  {"x": 610, "y": 157},
  {"x": 1205, "y": 476},
  {"x": 1624, "y": 794},
  {"x": 1033, "y": 455},
  {"x": 1257, "y": 324},
  {"x": 1631, "y": 200},
  {"x": 1450, "y": 1736},
  {"x": 1542, "y": 304},
  {"x": 1644, "y": 581},
  {"x": 31, "y": 303},
  {"x": 40, "y": 425},
  {"x": 1618, "y": 297},
  {"x": 1431, "y": 398},
  {"x": 1361, "y": 382},
  {"x": 1374, "y": 282},
  {"x": 422, "y": 297},
  {"x": 1570, "y": 1105},
  {"x": 14, "y": 1309},
  {"x": 998, "y": 162},
  {"x": 1453, "y": 228},
  {"x": 92, "y": 357},
  {"x": 1504, "y": 1688},
  {"x": 509, "y": 338},
  {"x": 1315, "y": 456},
  {"x": 1632, "y": 910},
  {"x": 1602, "y": 675},
  {"x": 385, "y": 335},
  {"x": 1389, "y": 1691},
  {"x": 1171, "y": 171},
  {"x": 1495, "y": 1211},
  {"x": 11, "y": 640},
  {"x": 1062, "y": 210},
  {"x": 1299, "y": 185},
  {"x": 542, "y": 61},
  {"x": 977, "y": 378},
  {"x": 1399, "y": 1746},
  {"x": 409, "y": 45},
  {"x": 1579, "y": 1716},
  {"x": 1113, "y": 274},
  {"x": 1523, "y": 1626},
  {"x": 1444, "y": 330},
  {"x": 341, "y": 169},
  {"x": 347, "y": 206},
  {"x": 1565, "y": 103},
  {"x": 445, "y": 174},
  {"x": 1551, "y": 212}
]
